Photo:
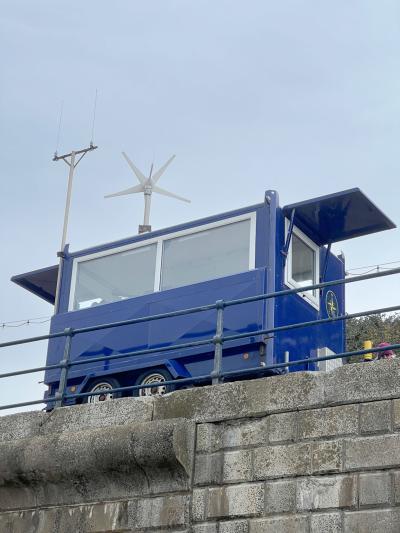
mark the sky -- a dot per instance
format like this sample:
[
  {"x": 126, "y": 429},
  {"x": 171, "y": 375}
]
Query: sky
[{"x": 298, "y": 96}]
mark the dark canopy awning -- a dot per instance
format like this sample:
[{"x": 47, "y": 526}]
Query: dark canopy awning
[
  {"x": 41, "y": 282},
  {"x": 339, "y": 216}
]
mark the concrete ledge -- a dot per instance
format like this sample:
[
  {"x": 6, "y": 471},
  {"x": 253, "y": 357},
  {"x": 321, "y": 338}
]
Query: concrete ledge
[
  {"x": 76, "y": 418},
  {"x": 244, "y": 398},
  {"x": 295, "y": 391},
  {"x": 363, "y": 382},
  {"x": 150, "y": 457},
  {"x": 257, "y": 397}
]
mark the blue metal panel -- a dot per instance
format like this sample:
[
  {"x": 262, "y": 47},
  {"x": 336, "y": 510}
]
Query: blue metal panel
[
  {"x": 166, "y": 332},
  {"x": 303, "y": 342}
]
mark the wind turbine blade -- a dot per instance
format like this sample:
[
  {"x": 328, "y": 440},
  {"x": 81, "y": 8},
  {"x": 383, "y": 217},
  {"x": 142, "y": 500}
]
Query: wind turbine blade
[
  {"x": 167, "y": 193},
  {"x": 131, "y": 190},
  {"x": 161, "y": 171},
  {"x": 141, "y": 177}
]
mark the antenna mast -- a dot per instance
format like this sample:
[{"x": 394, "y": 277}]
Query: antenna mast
[{"x": 72, "y": 162}]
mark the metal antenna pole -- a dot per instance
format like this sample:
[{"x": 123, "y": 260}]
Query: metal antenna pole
[
  {"x": 68, "y": 200},
  {"x": 70, "y": 160}
]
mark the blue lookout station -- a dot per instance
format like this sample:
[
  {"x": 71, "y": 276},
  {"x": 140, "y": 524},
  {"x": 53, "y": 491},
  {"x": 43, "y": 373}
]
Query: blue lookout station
[{"x": 259, "y": 249}]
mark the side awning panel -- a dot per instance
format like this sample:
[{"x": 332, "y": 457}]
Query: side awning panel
[
  {"x": 41, "y": 282},
  {"x": 338, "y": 217}
]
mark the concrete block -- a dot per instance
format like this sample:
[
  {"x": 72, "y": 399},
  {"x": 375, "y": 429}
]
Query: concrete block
[
  {"x": 326, "y": 523},
  {"x": 237, "y": 466},
  {"x": 96, "y": 518},
  {"x": 375, "y": 417},
  {"x": 249, "y": 398},
  {"x": 148, "y": 456},
  {"x": 245, "y": 433},
  {"x": 396, "y": 414},
  {"x": 330, "y": 422},
  {"x": 199, "y": 500},
  {"x": 281, "y": 524},
  {"x": 208, "y": 438},
  {"x": 374, "y": 489},
  {"x": 210, "y": 527},
  {"x": 21, "y": 425},
  {"x": 165, "y": 511},
  {"x": 326, "y": 492},
  {"x": 235, "y": 500},
  {"x": 98, "y": 415},
  {"x": 282, "y": 461},
  {"x": 283, "y": 427},
  {"x": 327, "y": 456},
  {"x": 372, "y": 521},
  {"x": 234, "y": 526},
  {"x": 14, "y": 497},
  {"x": 61, "y": 456},
  {"x": 208, "y": 469},
  {"x": 280, "y": 496},
  {"x": 372, "y": 452},
  {"x": 357, "y": 383},
  {"x": 396, "y": 487}
]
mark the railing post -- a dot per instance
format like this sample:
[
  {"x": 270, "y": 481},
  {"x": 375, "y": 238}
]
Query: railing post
[
  {"x": 59, "y": 395},
  {"x": 218, "y": 342}
]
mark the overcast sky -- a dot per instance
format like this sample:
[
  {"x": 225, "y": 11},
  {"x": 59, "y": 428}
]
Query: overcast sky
[{"x": 297, "y": 96}]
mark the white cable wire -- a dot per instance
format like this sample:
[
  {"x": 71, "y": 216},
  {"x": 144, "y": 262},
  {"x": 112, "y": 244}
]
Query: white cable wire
[{"x": 25, "y": 322}]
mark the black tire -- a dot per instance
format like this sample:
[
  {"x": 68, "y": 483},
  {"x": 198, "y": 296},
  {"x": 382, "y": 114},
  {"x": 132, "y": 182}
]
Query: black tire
[
  {"x": 156, "y": 375},
  {"x": 109, "y": 383}
]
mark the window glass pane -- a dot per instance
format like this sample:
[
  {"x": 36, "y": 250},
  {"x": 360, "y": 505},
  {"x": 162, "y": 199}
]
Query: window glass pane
[
  {"x": 206, "y": 255},
  {"x": 115, "y": 277},
  {"x": 303, "y": 262}
]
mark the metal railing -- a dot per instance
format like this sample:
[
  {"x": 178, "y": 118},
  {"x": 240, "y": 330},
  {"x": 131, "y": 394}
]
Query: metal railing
[{"x": 217, "y": 374}]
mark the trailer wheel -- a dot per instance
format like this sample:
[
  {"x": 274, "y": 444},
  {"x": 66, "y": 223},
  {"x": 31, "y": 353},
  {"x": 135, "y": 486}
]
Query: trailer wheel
[
  {"x": 103, "y": 385},
  {"x": 156, "y": 375}
]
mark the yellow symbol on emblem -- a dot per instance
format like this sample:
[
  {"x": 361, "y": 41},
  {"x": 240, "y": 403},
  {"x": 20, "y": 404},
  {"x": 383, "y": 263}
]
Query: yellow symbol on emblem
[{"x": 332, "y": 306}]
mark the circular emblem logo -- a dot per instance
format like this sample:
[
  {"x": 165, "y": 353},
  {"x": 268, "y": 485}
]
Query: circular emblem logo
[{"x": 332, "y": 306}]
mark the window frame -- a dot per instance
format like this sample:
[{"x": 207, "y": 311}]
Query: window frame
[
  {"x": 159, "y": 252},
  {"x": 313, "y": 300}
]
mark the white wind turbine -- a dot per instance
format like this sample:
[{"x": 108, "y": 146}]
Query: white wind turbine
[{"x": 147, "y": 186}]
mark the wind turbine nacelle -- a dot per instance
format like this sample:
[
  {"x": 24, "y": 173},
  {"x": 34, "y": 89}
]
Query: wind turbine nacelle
[{"x": 147, "y": 185}]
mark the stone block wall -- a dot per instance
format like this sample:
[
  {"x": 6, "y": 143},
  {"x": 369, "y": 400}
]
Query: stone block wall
[{"x": 305, "y": 452}]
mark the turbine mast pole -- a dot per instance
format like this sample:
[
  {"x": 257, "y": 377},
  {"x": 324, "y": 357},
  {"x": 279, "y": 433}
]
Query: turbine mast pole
[
  {"x": 147, "y": 205},
  {"x": 148, "y": 189},
  {"x": 145, "y": 227},
  {"x": 70, "y": 160}
]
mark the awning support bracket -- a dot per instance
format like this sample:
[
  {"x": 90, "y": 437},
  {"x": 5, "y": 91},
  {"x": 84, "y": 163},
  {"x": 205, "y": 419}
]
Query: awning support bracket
[
  {"x": 324, "y": 270},
  {"x": 285, "y": 249}
]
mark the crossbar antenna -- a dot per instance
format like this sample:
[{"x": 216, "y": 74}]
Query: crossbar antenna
[
  {"x": 72, "y": 161},
  {"x": 147, "y": 185}
]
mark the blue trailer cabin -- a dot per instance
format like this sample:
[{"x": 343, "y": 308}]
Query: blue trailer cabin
[{"x": 259, "y": 249}]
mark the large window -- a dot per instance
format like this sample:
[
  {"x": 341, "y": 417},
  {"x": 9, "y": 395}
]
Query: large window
[
  {"x": 206, "y": 255},
  {"x": 115, "y": 277},
  {"x": 190, "y": 256},
  {"x": 302, "y": 265}
]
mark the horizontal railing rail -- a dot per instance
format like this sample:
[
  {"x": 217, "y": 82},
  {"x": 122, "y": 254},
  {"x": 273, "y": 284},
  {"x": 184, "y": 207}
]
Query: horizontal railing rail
[
  {"x": 204, "y": 342},
  {"x": 207, "y": 377},
  {"x": 217, "y": 340},
  {"x": 201, "y": 308}
]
